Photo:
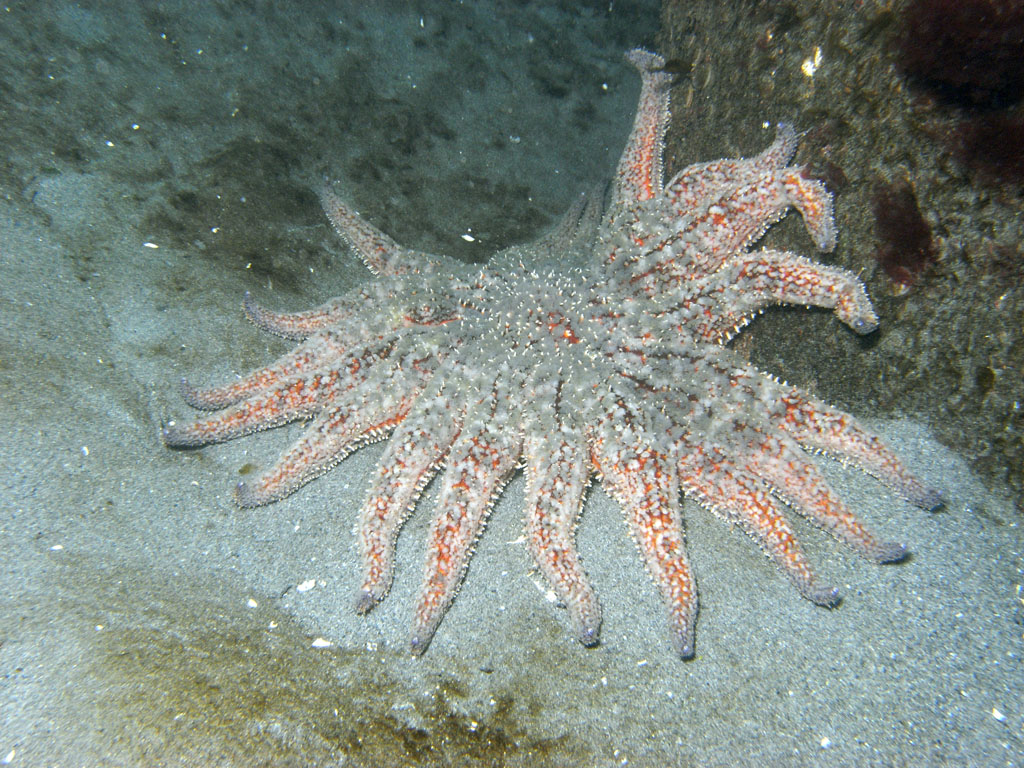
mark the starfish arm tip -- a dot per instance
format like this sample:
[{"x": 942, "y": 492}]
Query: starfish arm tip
[
  {"x": 890, "y": 552},
  {"x": 864, "y": 325},
  {"x": 826, "y": 596},
  {"x": 683, "y": 644},
  {"x": 177, "y": 436},
  {"x": 248, "y": 497},
  {"x": 930, "y": 499},
  {"x": 589, "y": 633},
  {"x": 418, "y": 645},
  {"x": 365, "y": 601}
]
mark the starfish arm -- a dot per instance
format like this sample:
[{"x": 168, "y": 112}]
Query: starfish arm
[
  {"x": 413, "y": 455},
  {"x": 639, "y": 174},
  {"x": 380, "y": 253},
  {"x": 645, "y": 484},
  {"x": 815, "y": 203},
  {"x": 481, "y": 461},
  {"x": 778, "y": 153},
  {"x": 564, "y": 231},
  {"x": 295, "y": 398},
  {"x": 799, "y": 483},
  {"x": 572, "y": 238},
  {"x": 813, "y": 425},
  {"x": 749, "y": 282},
  {"x": 741, "y": 498},
  {"x": 557, "y": 471},
  {"x": 333, "y": 435},
  {"x": 700, "y": 182},
  {"x": 308, "y": 357},
  {"x": 288, "y": 399},
  {"x": 341, "y": 311},
  {"x": 820, "y": 427},
  {"x": 707, "y": 237},
  {"x": 589, "y": 222}
]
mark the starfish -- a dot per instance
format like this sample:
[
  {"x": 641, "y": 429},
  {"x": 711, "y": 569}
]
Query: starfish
[{"x": 599, "y": 350}]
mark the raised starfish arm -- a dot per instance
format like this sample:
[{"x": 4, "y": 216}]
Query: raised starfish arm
[
  {"x": 352, "y": 309},
  {"x": 700, "y": 182},
  {"x": 639, "y": 175},
  {"x": 380, "y": 253},
  {"x": 708, "y": 236},
  {"x": 572, "y": 238}
]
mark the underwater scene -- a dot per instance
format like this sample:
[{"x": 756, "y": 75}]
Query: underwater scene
[{"x": 510, "y": 383}]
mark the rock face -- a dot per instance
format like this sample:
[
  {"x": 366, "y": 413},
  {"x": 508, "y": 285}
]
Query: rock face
[{"x": 950, "y": 348}]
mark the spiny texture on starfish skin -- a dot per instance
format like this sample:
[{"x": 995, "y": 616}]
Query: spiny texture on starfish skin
[{"x": 597, "y": 351}]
